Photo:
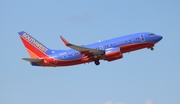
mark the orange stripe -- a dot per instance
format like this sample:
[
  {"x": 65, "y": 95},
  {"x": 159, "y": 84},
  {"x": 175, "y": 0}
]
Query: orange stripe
[
  {"x": 41, "y": 63},
  {"x": 32, "y": 55},
  {"x": 33, "y": 48}
]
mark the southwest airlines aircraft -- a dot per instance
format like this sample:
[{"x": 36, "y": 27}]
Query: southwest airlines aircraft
[{"x": 108, "y": 50}]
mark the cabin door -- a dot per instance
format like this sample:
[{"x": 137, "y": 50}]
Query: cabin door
[{"x": 142, "y": 37}]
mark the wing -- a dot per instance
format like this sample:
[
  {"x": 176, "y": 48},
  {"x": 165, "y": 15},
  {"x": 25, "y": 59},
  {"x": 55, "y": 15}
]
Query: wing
[
  {"x": 83, "y": 50},
  {"x": 32, "y": 59}
]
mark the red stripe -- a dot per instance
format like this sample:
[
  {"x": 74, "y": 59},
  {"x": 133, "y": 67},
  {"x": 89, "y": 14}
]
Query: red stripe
[
  {"x": 32, "y": 55},
  {"x": 32, "y": 48}
]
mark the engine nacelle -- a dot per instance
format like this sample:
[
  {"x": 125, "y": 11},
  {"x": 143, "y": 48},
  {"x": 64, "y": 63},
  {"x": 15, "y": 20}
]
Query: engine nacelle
[{"x": 113, "y": 54}]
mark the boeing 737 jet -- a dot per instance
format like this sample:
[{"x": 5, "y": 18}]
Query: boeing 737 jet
[{"x": 108, "y": 50}]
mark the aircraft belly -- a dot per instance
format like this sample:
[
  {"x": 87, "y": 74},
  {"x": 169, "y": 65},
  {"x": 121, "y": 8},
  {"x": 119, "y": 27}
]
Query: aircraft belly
[
  {"x": 66, "y": 63},
  {"x": 133, "y": 47}
]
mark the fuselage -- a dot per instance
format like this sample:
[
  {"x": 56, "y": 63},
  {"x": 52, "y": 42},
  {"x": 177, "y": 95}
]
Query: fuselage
[{"x": 126, "y": 44}]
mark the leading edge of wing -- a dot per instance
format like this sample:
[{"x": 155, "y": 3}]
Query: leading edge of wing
[{"x": 82, "y": 49}]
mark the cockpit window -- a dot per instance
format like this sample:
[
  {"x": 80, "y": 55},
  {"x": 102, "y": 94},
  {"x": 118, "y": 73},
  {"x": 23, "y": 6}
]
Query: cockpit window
[{"x": 151, "y": 34}]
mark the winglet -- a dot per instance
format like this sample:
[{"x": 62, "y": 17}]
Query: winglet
[{"x": 65, "y": 41}]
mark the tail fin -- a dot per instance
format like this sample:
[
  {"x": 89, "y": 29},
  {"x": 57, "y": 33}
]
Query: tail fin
[{"x": 34, "y": 47}]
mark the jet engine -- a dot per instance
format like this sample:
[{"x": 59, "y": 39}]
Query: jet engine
[{"x": 112, "y": 54}]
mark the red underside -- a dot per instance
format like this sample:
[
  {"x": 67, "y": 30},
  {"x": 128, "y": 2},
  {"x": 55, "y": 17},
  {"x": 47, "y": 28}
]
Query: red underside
[
  {"x": 124, "y": 49},
  {"x": 133, "y": 47}
]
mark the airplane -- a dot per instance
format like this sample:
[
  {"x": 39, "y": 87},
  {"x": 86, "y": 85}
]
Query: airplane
[{"x": 108, "y": 50}]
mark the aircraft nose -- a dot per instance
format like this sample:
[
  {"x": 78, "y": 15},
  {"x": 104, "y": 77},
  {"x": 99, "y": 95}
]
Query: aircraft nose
[{"x": 159, "y": 38}]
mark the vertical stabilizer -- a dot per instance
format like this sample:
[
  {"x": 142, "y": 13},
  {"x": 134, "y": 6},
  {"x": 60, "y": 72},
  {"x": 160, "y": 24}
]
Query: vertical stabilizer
[{"x": 33, "y": 46}]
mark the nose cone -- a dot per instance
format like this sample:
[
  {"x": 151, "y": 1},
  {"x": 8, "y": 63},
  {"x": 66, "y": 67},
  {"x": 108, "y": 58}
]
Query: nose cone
[{"x": 158, "y": 38}]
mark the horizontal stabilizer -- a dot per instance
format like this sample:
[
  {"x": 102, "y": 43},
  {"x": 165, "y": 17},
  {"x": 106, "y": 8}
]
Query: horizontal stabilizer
[{"x": 32, "y": 59}]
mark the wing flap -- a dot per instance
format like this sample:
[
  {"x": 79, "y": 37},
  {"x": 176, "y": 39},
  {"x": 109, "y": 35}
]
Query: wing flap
[
  {"x": 82, "y": 50},
  {"x": 86, "y": 50},
  {"x": 32, "y": 59}
]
